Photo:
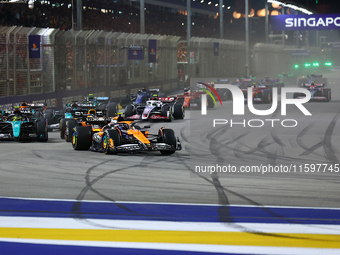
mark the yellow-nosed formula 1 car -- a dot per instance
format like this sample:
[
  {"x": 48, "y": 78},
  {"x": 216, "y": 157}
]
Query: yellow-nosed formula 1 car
[{"x": 125, "y": 136}]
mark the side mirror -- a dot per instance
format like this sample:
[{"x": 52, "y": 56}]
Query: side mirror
[{"x": 147, "y": 126}]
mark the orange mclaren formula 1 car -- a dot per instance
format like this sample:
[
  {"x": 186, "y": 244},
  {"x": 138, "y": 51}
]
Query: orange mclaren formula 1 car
[{"x": 124, "y": 136}]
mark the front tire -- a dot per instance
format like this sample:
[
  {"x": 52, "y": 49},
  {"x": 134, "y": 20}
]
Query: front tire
[
  {"x": 42, "y": 130},
  {"x": 81, "y": 138},
  {"x": 70, "y": 124},
  {"x": 168, "y": 137},
  {"x": 107, "y": 143}
]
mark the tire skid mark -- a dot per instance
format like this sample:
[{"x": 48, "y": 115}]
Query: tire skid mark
[
  {"x": 89, "y": 186},
  {"x": 271, "y": 157},
  {"x": 76, "y": 208},
  {"x": 328, "y": 147},
  {"x": 312, "y": 149},
  {"x": 36, "y": 154},
  {"x": 273, "y": 134},
  {"x": 224, "y": 212},
  {"x": 183, "y": 136},
  {"x": 299, "y": 140}
]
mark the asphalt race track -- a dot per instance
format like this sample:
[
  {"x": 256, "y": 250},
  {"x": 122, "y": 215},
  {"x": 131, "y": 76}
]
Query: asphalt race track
[
  {"x": 54, "y": 170},
  {"x": 280, "y": 197}
]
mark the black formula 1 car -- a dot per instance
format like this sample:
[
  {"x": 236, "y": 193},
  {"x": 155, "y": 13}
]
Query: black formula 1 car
[
  {"x": 21, "y": 125},
  {"x": 91, "y": 117}
]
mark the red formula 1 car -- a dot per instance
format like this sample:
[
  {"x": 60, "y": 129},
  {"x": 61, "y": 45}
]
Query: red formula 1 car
[
  {"x": 191, "y": 97},
  {"x": 260, "y": 93}
]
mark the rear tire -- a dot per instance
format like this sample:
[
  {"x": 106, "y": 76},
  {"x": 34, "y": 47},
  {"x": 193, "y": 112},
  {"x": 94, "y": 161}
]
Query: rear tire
[
  {"x": 81, "y": 138},
  {"x": 164, "y": 112},
  {"x": 49, "y": 117},
  {"x": 327, "y": 93},
  {"x": 70, "y": 124},
  {"x": 296, "y": 95},
  {"x": 125, "y": 100},
  {"x": 115, "y": 136},
  {"x": 169, "y": 137},
  {"x": 112, "y": 109},
  {"x": 129, "y": 111},
  {"x": 62, "y": 127},
  {"x": 267, "y": 97},
  {"x": 211, "y": 103},
  {"x": 179, "y": 111}
]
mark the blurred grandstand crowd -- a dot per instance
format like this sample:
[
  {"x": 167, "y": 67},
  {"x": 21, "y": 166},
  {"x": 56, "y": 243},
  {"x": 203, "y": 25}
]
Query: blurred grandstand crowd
[{"x": 118, "y": 17}]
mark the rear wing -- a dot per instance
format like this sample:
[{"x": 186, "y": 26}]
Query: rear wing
[
  {"x": 167, "y": 99},
  {"x": 315, "y": 84},
  {"x": 98, "y": 120},
  {"x": 314, "y": 76}
]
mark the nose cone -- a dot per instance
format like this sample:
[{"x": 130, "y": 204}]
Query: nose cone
[{"x": 138, "y": 135}]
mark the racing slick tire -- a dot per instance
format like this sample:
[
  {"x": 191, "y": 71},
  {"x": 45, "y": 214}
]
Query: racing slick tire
[
  {"x": 168, "y": 137},
  {"x": 267, "y": 97},
  {"x": 37, "y": 114},
  {"x": 164, "y": 112},
  {"x": 223, "y": 93},
  {"x": 49, "y": 117},
  {"x": 41, "y": 130},
  {"x": 125, "y": 100},
  {"x": 179, "y": 111},
  {"x": 81, "y": 138},
  {"x": 48, "y": 111},
  {"x": 210, "y": 101},
  {"x": 115, "y": 136},
  {"x": 70, "y": 124},
  {"x": 129, "y": 111},
  {"x": 112, "y": 109},
  {"x": 327, "y": 93},
  {"x": 102, "y": 106},
  {"x": 62, "y": 127}
]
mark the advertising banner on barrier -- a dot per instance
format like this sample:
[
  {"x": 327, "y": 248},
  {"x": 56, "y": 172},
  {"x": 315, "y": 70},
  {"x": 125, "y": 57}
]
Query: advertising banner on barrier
[
  {"x": 306, "y": 22},
  {"x": 135, "y": 52},
  {"x": 34, "y": 46},
  {"x": 152, "y": 50}
]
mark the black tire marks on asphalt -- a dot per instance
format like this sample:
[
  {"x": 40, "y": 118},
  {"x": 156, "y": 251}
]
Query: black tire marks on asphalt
[
  {"x": 327, "y": 145},
  {"x": 224, "y": 209}
]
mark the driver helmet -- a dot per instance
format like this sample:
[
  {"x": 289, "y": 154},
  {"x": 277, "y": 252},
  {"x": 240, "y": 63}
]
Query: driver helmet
[
  {"x": 121, "y": 126},
  {"x": 91, "y": 113},
  {"x": 153, "y": 103},
  {"x": 17, "y": 118}
]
